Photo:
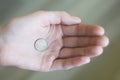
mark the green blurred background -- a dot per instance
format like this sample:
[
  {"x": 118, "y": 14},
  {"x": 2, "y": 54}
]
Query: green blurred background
[{"x": 102, "y": 12}]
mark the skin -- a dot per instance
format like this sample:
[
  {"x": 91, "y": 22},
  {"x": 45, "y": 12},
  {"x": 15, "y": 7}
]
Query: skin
[{"x": 70, "y": 42}]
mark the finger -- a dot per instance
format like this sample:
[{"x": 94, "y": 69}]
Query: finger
[
  {"x": 85, "y": 41},
  {"x": 56, "y": 17},
  {"x": 64, "y": 64},
  {"x": 82, "y": 30},
  {"x": 91, "y": 51}
]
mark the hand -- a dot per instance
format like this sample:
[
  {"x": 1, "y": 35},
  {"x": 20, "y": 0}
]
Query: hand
[{"x": 70, "y": 43}]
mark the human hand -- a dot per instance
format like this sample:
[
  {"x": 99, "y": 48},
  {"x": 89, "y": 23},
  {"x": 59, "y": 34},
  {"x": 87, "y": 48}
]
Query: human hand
[{"x": 70, "y": 43}]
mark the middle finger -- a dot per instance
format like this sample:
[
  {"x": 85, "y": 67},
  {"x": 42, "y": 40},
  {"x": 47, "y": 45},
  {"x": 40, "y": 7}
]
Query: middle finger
[{"x": 85, "y": 41}]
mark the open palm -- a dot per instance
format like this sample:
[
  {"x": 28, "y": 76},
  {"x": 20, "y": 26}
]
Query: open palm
[{"x": 69, "y": 42}]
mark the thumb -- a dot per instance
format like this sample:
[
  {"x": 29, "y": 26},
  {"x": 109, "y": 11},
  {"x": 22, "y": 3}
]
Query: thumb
[{"x": 58, "y": 17}]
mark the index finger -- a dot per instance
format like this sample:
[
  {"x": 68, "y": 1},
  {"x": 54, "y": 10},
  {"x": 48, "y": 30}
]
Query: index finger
[{"x": 82, "y": 30}]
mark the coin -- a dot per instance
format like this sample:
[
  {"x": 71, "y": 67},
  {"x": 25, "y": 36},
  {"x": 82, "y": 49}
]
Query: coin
[{"x": 40, "y": 44}]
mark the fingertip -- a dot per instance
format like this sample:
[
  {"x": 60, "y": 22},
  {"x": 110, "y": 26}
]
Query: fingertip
[
  {"x": 99, "y": 30},
  {"x": 76, "y": 19},
  {"x": 70, "y": 20},
  {"x": 106, "y": 41},
  {"x": 82, "y": 61},
  {"x": 98, "y": 50},
  {"x": 86, "y": 60}
]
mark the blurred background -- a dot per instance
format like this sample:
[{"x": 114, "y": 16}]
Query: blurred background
[{"x": 102, "y": 12}]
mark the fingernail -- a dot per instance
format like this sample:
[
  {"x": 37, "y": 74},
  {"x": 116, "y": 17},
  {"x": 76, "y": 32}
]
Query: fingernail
[{"x": 77, "y": 19}]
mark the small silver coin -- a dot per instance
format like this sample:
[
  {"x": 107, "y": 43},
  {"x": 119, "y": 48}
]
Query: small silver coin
[{"x": 40, "y": 44}]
